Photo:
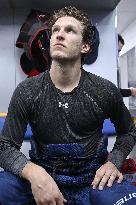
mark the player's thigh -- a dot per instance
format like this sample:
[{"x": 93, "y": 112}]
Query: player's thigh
[
  {"x": 14, "y": 190},
  {"x": 124, "y": 193}
]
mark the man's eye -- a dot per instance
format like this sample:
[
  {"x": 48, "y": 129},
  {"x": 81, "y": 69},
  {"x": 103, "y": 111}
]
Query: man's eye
[
  {"x": 54, "y": 30},
  {"x": 70, "y": 30}
]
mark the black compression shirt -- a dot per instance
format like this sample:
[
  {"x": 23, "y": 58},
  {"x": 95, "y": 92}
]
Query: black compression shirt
[{"x": 58, "y": 117}]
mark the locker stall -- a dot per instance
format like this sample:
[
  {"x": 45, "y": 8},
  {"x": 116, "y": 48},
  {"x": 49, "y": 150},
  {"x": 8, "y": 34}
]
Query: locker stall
[{"x": 13, "y": 14}]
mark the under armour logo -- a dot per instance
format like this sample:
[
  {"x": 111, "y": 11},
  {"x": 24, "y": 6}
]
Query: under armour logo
[{"x": 65, "y": 105}]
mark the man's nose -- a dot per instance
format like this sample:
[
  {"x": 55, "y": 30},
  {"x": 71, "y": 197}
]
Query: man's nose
[{"x": 60, "y": 35}]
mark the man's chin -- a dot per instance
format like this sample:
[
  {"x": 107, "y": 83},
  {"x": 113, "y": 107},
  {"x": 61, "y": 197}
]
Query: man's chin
[
  {"x": 59, "y": 58},
  {"x": 62, "y": 58}
]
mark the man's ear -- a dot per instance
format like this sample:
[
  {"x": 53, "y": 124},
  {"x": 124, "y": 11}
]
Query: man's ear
[{"x": 86, "y": 48}]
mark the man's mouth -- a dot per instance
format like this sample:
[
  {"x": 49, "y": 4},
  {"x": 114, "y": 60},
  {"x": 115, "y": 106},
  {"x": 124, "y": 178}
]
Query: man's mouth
[{"x": 59, "y": 45}]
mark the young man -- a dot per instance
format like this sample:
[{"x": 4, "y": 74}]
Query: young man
[
  {"x": 66, "y": 108},
  {"x": 130, "y": 91}
]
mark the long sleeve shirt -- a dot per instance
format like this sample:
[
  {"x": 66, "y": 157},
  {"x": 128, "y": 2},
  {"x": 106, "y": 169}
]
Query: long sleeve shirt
[
  {"x": 59, "y": 117},
  {"x": 125, "y": 92}
]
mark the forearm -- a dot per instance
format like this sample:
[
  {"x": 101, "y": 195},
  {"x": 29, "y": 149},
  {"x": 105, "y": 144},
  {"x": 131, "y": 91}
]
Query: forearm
[
  {"x": 11, "y": 159},
  {"x": 122, "y": 148},
  {"x": 125, "y": 130},
  {"x": 117, "y": 158},
  {"x": 126, "y": 92}
]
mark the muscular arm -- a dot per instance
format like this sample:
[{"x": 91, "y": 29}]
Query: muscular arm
[
  {"x": 126, "y": 138},
  {"x": 11, "y": 159},
  {"x": 125, "y": 129},
  {"x": 44, "y": 188}
]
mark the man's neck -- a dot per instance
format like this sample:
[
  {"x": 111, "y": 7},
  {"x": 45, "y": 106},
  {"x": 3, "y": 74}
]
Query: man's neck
[{"x": 65, "y": 76}]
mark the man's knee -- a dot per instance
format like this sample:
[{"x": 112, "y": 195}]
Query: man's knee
[
  {"x": 11, "y": 186},
  {"x": 5, "y": 184},
  {"x": 116, "y": 195}
]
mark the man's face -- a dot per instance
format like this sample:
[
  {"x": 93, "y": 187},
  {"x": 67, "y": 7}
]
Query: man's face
[{"x": 66, "y": 39}]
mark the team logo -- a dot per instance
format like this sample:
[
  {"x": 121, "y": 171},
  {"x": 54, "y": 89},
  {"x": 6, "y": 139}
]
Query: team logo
[
  {"x": 125, "y": 199},
  {"x": 65, "y": 105}
]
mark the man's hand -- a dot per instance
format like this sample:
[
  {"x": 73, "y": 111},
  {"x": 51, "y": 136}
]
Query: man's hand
[
  {"x": 44, "y": 188},
  {"x": 107, "y": 173},
  {"x": 133, "y": 91}
]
